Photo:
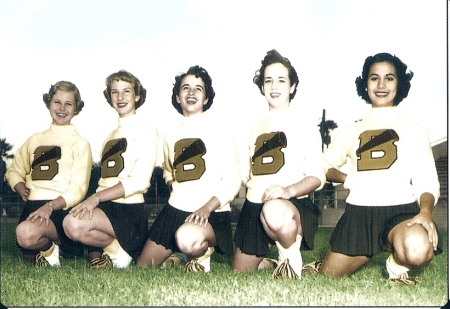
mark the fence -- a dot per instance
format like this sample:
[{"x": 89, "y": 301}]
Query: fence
[{"x": 330, "y": 200}]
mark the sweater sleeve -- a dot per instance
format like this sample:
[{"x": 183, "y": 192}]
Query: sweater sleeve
[
  {"x": 20, "y": 166},
  {"x": 244, "y": 160},
  {"x": 230, "y": 182},
  {"x": 138, "y": 180},
  {"x": 336, "y": 154},
  {"x": 424, "y": 175},
  {"x": 313, "y": 158},
  {"x": 167, "y": 165},
  {"x": 80, "y": 174}
]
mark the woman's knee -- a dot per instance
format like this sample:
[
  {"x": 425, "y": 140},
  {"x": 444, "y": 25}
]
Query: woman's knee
[
  {"x": 415, "y": 249},
  {"x": 25, "y": 234},
  {"x": 277, "y": 214},
  {"x": 190, "y": 240},
  {"x": 73, "y": 227}
]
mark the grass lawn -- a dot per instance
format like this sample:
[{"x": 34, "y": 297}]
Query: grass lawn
[{"x": 22, "y": 284}]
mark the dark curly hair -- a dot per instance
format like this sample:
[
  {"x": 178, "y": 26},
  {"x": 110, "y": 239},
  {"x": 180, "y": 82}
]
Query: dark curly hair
[
  {"x": 403, "y": 77},
  {"x": 125, "y": 76},
  {"x": 66, "y": 87},
  {"x": 197, "y": 71},
  {"x": 275, "y": 57}
]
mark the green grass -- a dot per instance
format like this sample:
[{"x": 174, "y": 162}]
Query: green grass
[{"x": 22, "y": 284}]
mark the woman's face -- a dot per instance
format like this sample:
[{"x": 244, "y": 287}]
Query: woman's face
[
  {"x": 382, "y": 84},
  {"x": 123, "y": 98},
  {"x": 62, "y": 107},
  {"x": 277, "y": 86},
  {"x": 192, "y": 96}
]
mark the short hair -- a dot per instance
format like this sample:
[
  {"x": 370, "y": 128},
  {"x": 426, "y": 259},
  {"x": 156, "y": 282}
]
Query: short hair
[
  {"x": 125, "y": 76},
  {"x": 66, "y": 87},
  {"x": 403, "y": 77},
  {"x": 275, "y": 57},
  {"x": 197, "y": 71}
]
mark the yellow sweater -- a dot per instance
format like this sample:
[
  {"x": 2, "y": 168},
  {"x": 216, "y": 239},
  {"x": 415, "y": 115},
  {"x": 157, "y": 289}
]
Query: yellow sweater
[
  {"x": 53, "y": 163},
  {"x": 129, "y": 157}
]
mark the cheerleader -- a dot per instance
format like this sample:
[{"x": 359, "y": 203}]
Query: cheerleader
[
  {"x": 114, "y": 219},
  {"x": 202, "y": 171},
  {"x": 393, "y": 183},
  {"x": 284, "y": 167},
  {"x": 51, "y": 173}
]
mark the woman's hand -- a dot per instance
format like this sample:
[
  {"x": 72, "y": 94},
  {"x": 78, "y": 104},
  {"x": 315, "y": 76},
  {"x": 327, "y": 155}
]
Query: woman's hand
[
  {"x": 87, "y": 206},
  {"x": 275, "y": 191},
  {"x": 23, "y": 191},
  {"x": 43, "y": 213},
  {"x": 425, "y": 219},
  {"x": 169, "y": 185},
  {"x": 200, "y": 216}
]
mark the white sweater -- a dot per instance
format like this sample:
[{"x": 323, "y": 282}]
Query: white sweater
[{"x": 396, "y": 167}]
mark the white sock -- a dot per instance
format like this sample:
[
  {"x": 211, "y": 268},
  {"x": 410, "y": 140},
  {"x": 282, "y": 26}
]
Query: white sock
[
  {"x": 52, "y": 255},
  {"x": 205, "y": 260},
  {"x": 394, "y": 269},
  {"x": 119, "y": 257},
  {"x": 293, "y": 254}
]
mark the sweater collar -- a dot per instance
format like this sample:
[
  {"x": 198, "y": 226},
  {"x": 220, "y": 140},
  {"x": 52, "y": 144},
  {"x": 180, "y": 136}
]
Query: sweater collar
[
  {"x": 280, "y": 112},
  {"x": 127, "y": 121},
  {"x": 383, "y": 113},
  {"x": 62, "y": 129},
  {"x": 194, "y": 118}
]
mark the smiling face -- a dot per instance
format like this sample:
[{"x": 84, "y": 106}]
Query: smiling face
[
  {"x": 277, "y": 86},
  {"x": 192, "y": 95},
  {"x": 123, "y": 98},
  {"x": 62, "y": 107},
  {"x": 382, "y": 84}
]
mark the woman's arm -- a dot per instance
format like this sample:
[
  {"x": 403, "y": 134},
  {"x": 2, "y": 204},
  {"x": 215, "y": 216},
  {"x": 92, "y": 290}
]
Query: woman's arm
[{"x": 336, "y": 176}]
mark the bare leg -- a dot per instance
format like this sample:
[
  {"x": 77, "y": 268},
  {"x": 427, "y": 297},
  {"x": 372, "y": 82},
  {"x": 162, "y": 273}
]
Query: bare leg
[
  {"x": 96, "y": 232},
  {"x": 33, "y": 236},
  {"x": 193, "y": 240},
  {"x": 153, "y": 254},
  {"x": 281, "y": 221},
  {"x": 94, "y": 255},
  {"x": 410, "y": 245},
  {"x": 243, "y": 262},
  {"x": 338, "y": 264}
]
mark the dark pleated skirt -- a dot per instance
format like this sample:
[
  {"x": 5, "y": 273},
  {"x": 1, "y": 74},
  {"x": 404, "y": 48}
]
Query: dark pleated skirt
[
  {"x": 170, "y": 219},
  {"x": 363, "y": 230},
  {"x": 251, "y": 238},
  {"x": 130, "y": 224},
  {"x": 68, "y": 245}
]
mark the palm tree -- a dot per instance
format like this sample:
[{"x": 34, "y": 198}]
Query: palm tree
[
  {"x": 325, "y": 196},
  {"x": 5, "y": 147},
  {"x": 325, "y": 126}
]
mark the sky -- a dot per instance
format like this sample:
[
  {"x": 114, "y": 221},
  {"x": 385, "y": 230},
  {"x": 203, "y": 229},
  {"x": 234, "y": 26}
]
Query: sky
[{"x": 84, "y": 41}]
